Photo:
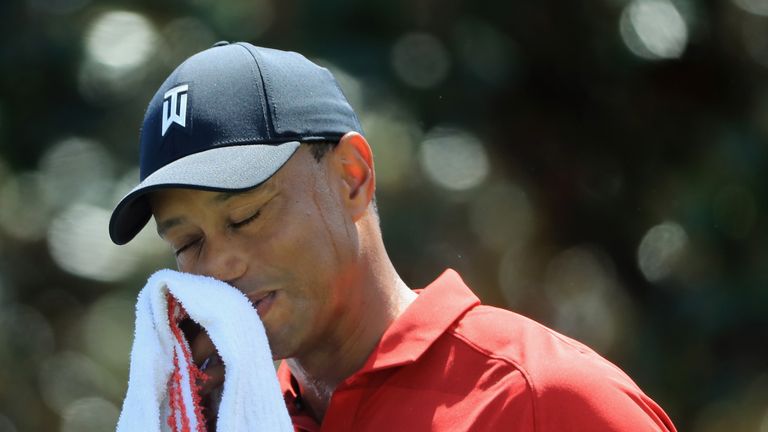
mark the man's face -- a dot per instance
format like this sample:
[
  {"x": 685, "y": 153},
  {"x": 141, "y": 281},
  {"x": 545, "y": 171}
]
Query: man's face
[{"x": 288, "y": 245}]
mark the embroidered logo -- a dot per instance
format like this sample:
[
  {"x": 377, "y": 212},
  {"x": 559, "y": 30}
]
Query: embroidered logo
[{"x": 175, "y": 107}]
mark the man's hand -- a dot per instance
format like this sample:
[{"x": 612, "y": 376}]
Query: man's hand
[{"x": 207, "y": 359}]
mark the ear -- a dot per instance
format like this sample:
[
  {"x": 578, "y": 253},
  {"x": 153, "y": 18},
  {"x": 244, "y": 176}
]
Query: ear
[{"x": 353, "y": 162}]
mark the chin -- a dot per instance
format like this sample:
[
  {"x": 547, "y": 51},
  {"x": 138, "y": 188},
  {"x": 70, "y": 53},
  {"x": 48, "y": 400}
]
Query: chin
[
  {"x": 278, "y": 349},
  {"x": 278, "y": 354}
]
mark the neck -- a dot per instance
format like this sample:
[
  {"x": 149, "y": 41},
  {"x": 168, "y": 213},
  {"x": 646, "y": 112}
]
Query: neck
[{"x": 383, "y": 296}]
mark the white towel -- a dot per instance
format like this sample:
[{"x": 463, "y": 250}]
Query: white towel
[{"x": 251, "y": 399}]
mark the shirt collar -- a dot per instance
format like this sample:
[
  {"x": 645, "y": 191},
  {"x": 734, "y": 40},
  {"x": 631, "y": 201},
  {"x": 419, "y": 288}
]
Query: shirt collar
[
  {"x": 438, "y": 306},
  {"x": 302, "y": 421}
]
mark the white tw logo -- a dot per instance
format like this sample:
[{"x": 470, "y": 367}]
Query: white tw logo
[{"x": 175, "y": 107}]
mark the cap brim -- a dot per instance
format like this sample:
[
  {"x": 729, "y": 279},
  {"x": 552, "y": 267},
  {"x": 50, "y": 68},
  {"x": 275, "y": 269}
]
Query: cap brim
[{"x": 231, "y": 168}]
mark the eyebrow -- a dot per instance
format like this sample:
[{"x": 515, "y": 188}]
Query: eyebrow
[
  {"x": 165, "y": 225},
  {"x": 264, "y": 189},
  {"x": 224, "y": 196},
  {"x": 221, "y": 197}
]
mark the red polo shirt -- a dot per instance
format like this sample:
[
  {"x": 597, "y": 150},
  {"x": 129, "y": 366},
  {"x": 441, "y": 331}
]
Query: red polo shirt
[{"x": 450, "y": 364}]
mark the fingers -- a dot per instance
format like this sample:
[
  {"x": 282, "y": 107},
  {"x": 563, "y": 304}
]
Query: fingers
[
  {"x": 210, "y": 404},
  {"x": 199, "y": 342},
  {"x": 210, "y": 391},
  {"x": 215, "y": 379},
  {"x": 206, "y": 358},
  {"x": 202, "y": 348}
]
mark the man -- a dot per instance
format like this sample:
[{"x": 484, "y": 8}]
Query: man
[{"x": 256, "y": 171}]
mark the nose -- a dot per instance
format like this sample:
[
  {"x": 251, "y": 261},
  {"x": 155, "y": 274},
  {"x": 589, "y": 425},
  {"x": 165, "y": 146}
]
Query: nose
[{"x": 223, "y": 261}]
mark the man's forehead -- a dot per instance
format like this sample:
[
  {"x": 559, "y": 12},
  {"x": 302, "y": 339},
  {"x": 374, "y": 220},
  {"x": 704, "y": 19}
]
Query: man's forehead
[
  {"x": 294, "y": 167},
  {"x": 162, "y": 197},
  {"x": 266, "y": 188},
  {"x": 169, "y": 206}
]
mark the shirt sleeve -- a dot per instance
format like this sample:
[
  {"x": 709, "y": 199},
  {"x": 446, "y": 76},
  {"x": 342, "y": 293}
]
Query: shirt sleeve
[{"x": 595, "y": 400}]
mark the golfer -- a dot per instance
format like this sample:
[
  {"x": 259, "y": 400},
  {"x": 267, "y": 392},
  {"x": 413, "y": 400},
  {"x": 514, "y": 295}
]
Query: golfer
[{"x": 257, "y": 172}]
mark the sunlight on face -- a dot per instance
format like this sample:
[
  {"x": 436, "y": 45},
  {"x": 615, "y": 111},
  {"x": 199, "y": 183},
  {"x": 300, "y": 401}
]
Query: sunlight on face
[{"x": 285, "y": 244}]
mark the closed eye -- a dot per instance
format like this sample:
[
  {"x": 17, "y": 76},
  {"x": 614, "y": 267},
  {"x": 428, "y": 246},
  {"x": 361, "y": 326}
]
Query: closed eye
[
  {"x": 245, "y": 221},
  {"x": 182, "y": 249}
]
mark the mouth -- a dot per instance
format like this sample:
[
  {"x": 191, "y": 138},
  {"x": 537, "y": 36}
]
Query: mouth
[{"x": 262, "y": 301}]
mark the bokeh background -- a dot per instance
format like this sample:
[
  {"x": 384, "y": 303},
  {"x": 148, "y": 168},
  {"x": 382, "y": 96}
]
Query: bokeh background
[{"x": 597, "y": 165}]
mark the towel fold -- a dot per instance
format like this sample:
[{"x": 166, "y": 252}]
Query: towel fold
[{"x": 162, "y": 378}]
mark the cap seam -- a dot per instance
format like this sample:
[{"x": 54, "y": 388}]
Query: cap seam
[
  {"x": 270, "y": 114},
  {"x": 253, "y": 141},
  {"x": 230, "y": 143},
  {"x": 315, "y": 107}
]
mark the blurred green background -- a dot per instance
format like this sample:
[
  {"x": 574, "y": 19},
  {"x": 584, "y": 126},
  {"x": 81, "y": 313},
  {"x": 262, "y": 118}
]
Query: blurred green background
[{"x": 599, "y": 166}]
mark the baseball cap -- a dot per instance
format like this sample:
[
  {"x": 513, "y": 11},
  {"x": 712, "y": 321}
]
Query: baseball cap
[{"x": 226, "y": 119}]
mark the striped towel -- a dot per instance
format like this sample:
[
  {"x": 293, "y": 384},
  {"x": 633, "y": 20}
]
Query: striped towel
[{"x": 163, "y": 380}]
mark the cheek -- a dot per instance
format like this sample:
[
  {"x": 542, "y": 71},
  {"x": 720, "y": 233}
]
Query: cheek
[
  {"x": 291, "y": 244},
  {"x": 185, "y": 263},
  {"x": 305, "y": 248},
  {"x": 307, "y": 240}
]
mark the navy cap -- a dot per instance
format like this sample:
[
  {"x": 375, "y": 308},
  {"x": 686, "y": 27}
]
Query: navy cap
[{"x": 226, "y": 120}]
